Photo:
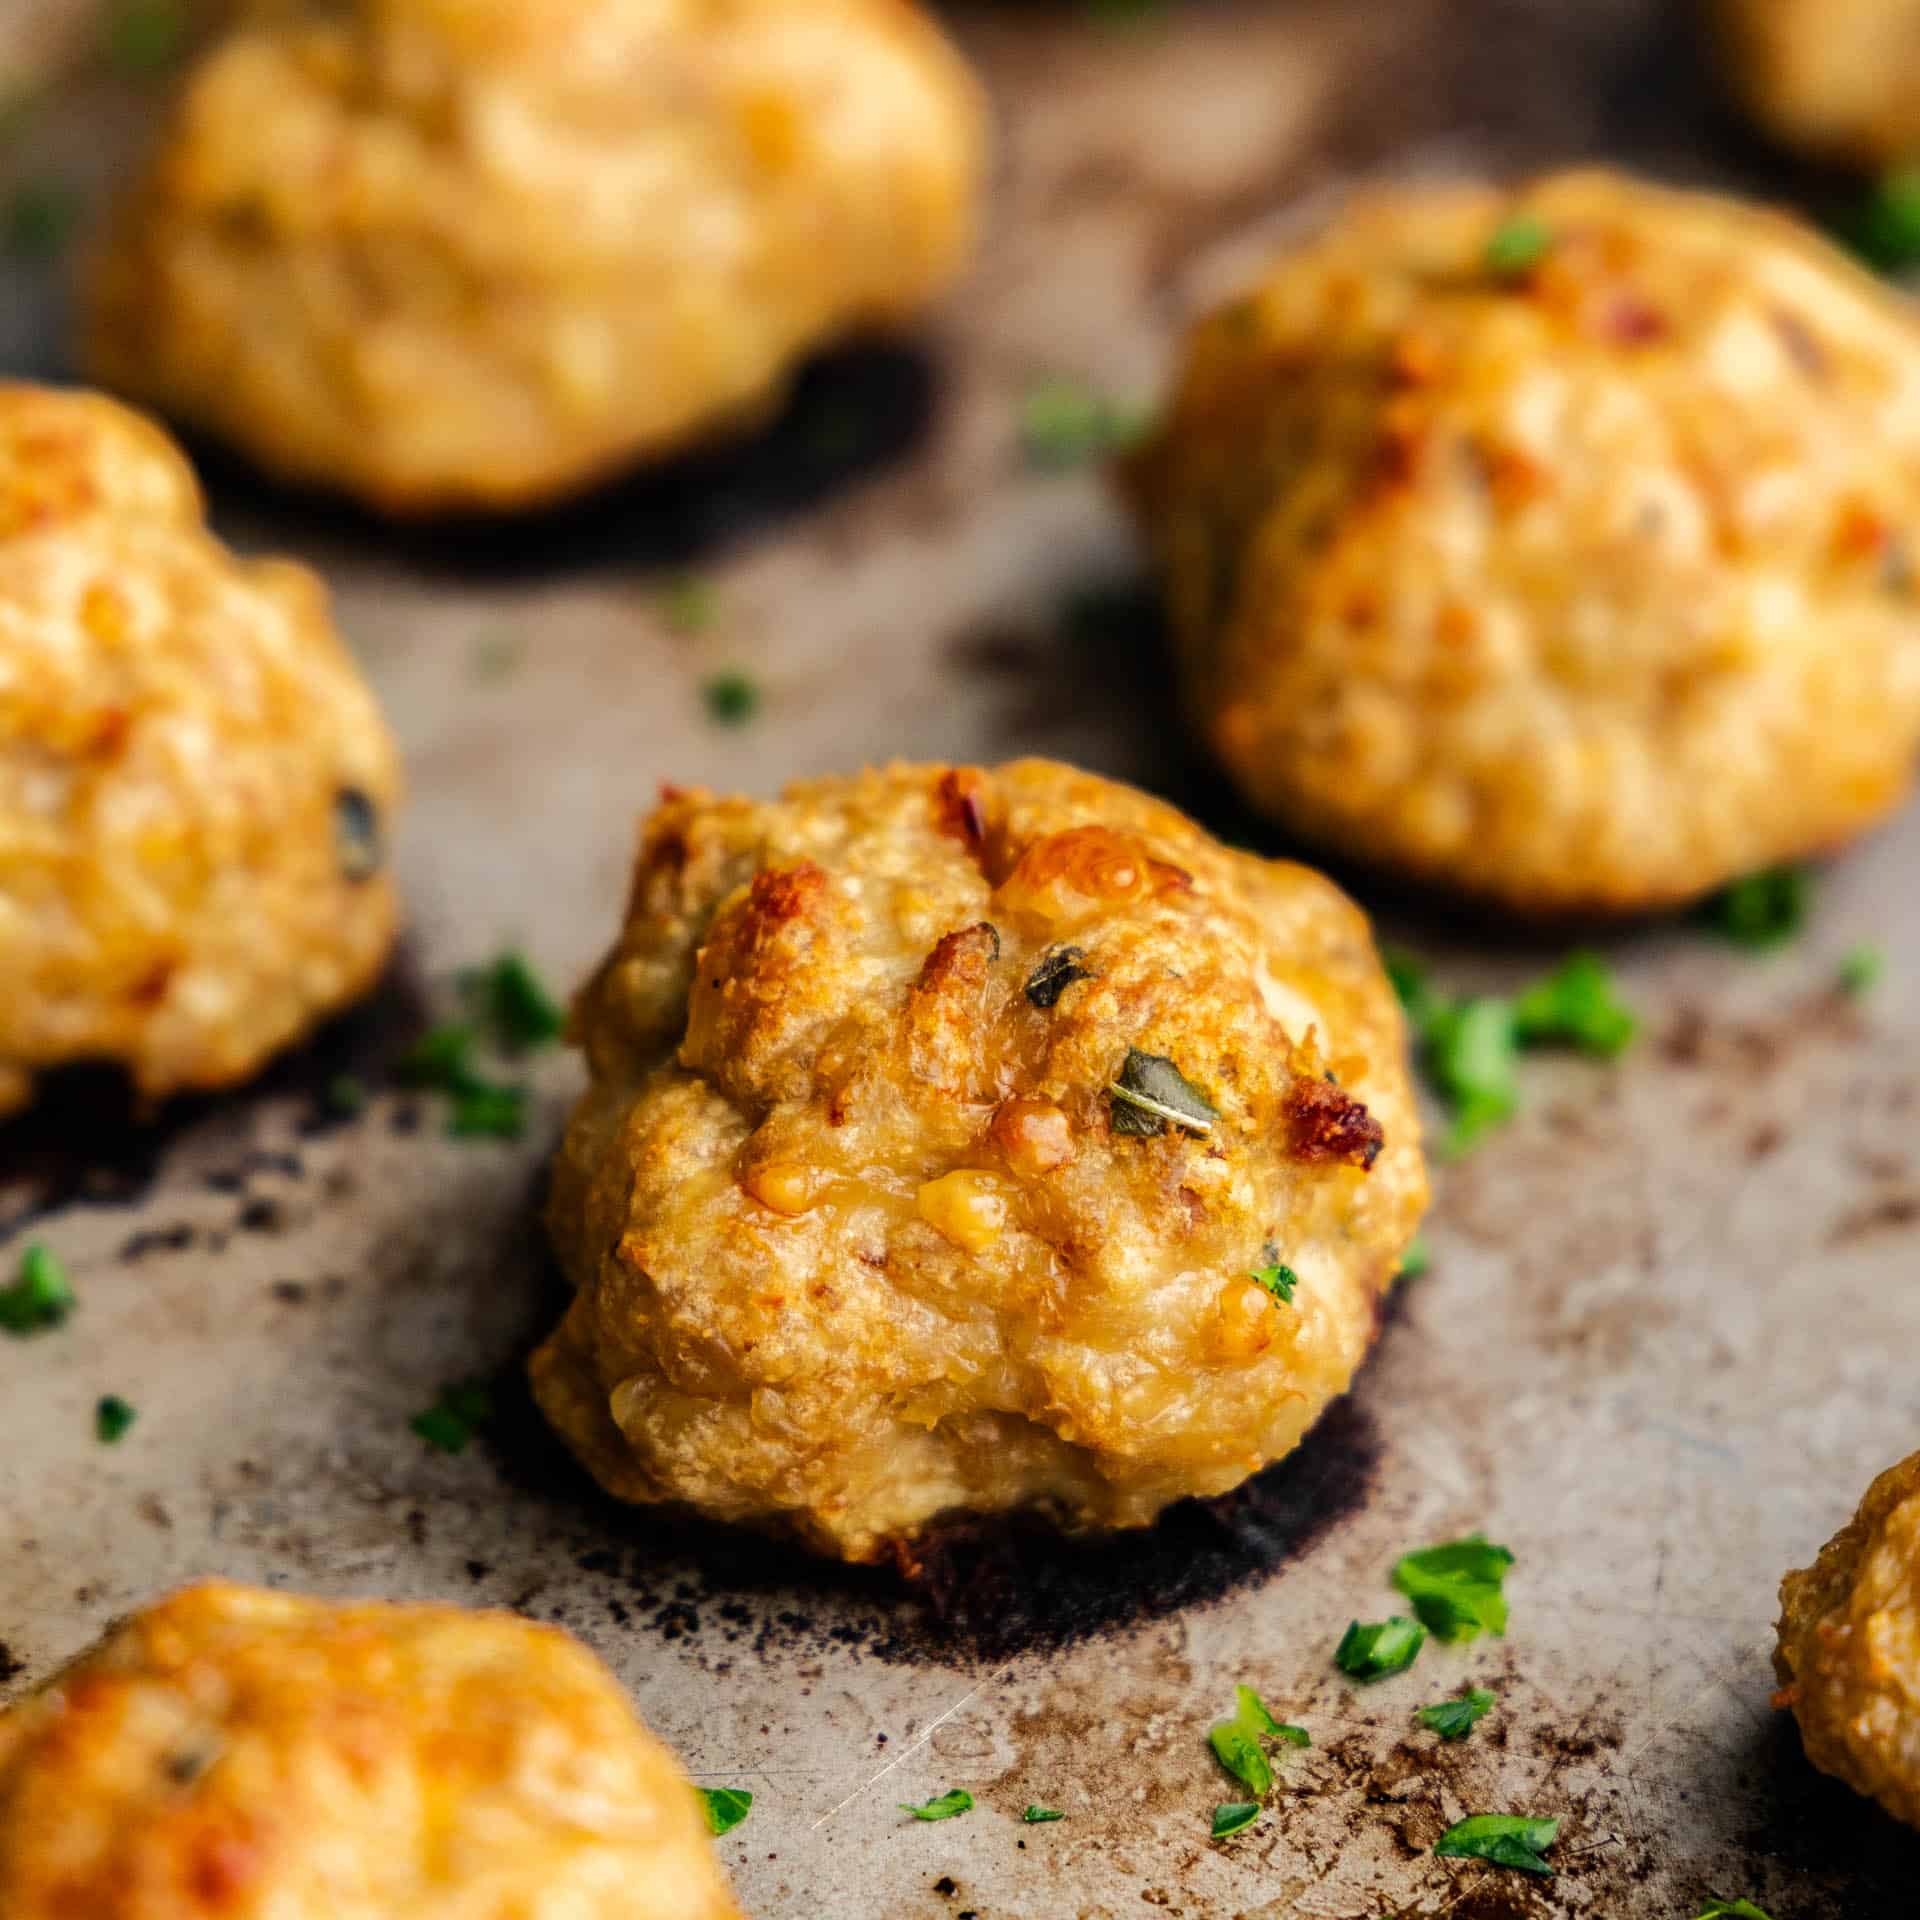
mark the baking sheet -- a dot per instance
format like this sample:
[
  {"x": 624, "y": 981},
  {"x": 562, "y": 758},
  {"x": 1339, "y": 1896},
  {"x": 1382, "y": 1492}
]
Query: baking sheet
[{"x": 1672, "y": 1327}]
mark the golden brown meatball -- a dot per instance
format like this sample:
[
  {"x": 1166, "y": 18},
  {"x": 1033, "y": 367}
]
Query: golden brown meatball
[
  {"x": 242, "y": 1755},
  {"x": 1552, "y": 545},
  {"x": 1837, "y": 79},
  {"x": 939, "y": 1121},
  {"x": 1849, "y": 1653},
  {"x": 195, "y": 784},
  {"x": 452, "y": 254}
]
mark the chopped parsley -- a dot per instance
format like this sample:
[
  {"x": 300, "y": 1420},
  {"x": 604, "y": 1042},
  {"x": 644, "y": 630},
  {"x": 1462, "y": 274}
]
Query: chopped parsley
[
  {"x": 1455, "y": 1719},
  {"x": 40, "y": 221},
  {"x": 1056, "y": 970},
  {"x": 112, "y": 1416},
  {"x": 1471, "y": 1056},
  {"x": 732, "y": 699},
  {"x": 1764, "y": 909},
  {"x": 481, "y": 1108},
  {"x": 1862, "y": 968},
  {"x": 1236, "y": 1743},
  {"x": 691, "y": 605},
  {"x": 1152, "y": 1093},
  {"x": 1731, "y": 1910},
  {"x": 453, "y": 1419},
  {"x": 1576, "y": 1005},
  {"x": 40, "y": 1298},
  {"x": 956, "y": 1801},
  {"x": 1517, "y": 246},
  {"x": 1233, "y": 1815},
  {"x": 1417, "y": 1259},
  {"x": 1038, "y": 1816},
  {"x": 1064, "y": 423},
  {"x": 144, "y": 35},
  {"x": 1503, "y": 1839},
  {"x": 1381, "y": 1649},
  {"x": 509, "y": 999},
  {"x": 1885, "y": 232},
  {"x": 1279, "y": 1279},
  {"x": 725, "y": 1807},
  {"x": 1456, "y": 1588}
]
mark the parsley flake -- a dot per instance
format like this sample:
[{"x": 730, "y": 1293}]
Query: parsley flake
[
  {"x": 453, "y": 1419},
  {"x": 481, "y": 1108},
  {"x": 1056, "y": 970},
  {"x": 691, "y": 605},
  {"x": 1379, "y": 1649},
  {"x": 1862, "y": 968},
  {"x": 954, "y": 1802},
  {"x": 112, "y": 1416},
  {"x": 1764, "y": 909},
  {"x": 1517, "y": 246},
  {"x": 1885, "y": 232},
  {"x": 40, "y": 1299},
  {"x": 1731, "y": 1910},
  {"x": 725, "y": 1807},
  {"x": 1064, "y": 423},
  {"x": 1152, "y": 1093},
  {"x": 1279, "y": 1280},
  {"x": 1502, "y": 1839},
  {"x": 1471, "y": 1056},
  {"x": 1576, "y": 1005},
  {"x": 40, "y": 221},
  {"x": 1456, "y": 1588},
  {"x": 1232, "y": 1816},
  {"x": 1038, "y": 1816},
  {"x": 1236, "y": 1742},
  {"x": 732, "y": 699},
  {"x": 509, "y": 999},
  {"x": 1455, "y": 1719},
  {"x": 1417, "y": 1259}
]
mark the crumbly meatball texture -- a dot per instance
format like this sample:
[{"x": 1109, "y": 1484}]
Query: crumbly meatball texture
[
  {"x": 1849, "y": 1653},
  {"x": 1553, "y": 546},
  {"x": 195, "y": 783},
  {"x": 860, "y": 1234},
  {"x": 1836, "y": 79},
  {"x": 477, "y": 254},
  {"x": 232, "y": 1754}
]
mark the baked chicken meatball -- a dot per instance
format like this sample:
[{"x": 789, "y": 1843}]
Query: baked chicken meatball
[
  {"x": 195, "y": 783},
  {"x": 940, "y": 1122},
  {"x": 460, "y": 255},
  {"x": 1551, "y": 545},
  {"x": 231, "y": 1754},
  {"x": 1838, "y": 80},
  {"x": 1849, "y": 1653}
]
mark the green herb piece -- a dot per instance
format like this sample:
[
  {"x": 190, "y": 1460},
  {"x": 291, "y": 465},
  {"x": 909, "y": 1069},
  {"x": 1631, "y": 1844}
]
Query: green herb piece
[
  {"x": 1381, "y": 1649},
  {"x": 41, "y": 220},
  {"x": 482, "y": 1108},
  {"x": 441, "y": 1057},
  {"x": 1278, "y": 1279},
  {"x": 1456, "y": 1588},
  {"x": 40, "y": 1298},
  {"x": 1253, "y": 1714},
  {"x": 956, "y": 1801},
  {"x": 1503, "y": 1839},
  {"x": 1576, "y": 1005},
  {"x": 691, "y": 605},
  {"x": 1234, "y": 1815},
  {"x": 1065, "y": 422},
  {"x": 1152, "y": 1093},
  {"x": 453, "y": 1419},
  {"x": 1862, "y": 968},
  {"x": 112, "y": 1416},
  {"x": 1731, "y": 1910},
  {"x": 1764, "y": 909},
  {"x": 1037, "y": 1816},
  {"x": 513, "y": 1004},
  {"x": 1470, "y": 1054},
  {"x": 1517, "y": 246},
  {"x": 1057, "y": 970},
  {"x": 1237, "y": 1747},
  {"x": 1417, "y": 1259},
  {"x": 1414, "y": 986},
  {"x": 144, "y": 35},
  {"x": 486, "y": 1111},
  {"x": 725, "y": 1807},
  {"x": 1455, "y": 1719},
  {"x": 1885, "y": 232},
  {"x": 732, "y": 699}
]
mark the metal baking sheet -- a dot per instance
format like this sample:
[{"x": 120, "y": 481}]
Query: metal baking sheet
[{"x": 1673, "y": 1320}]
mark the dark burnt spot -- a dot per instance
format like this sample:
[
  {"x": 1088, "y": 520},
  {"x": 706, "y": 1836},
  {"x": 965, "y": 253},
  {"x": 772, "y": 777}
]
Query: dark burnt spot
[
  {"x": 946, "y": 1886},
  {"x": 1886, "y": 1215},
  {"x": 1328, "y": 1126},
  {"x": 174, "y": 1239},
  {"x": 962, "y": 809},
  {"x": 11, "y": 1665}
]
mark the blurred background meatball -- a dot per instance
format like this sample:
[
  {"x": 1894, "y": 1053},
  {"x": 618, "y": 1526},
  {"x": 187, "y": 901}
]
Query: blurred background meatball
[
  {"x": 966, "y": 1141},
  {"x": 476, "y": 254},
  {"x": 196, "y": 787},
  {"x": 1849, "y": 1653},
  {"x": 1551, "y": 545},
  {"x": 231, "y": 1754}
]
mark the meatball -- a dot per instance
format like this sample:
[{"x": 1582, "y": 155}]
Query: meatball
[
  {"x": 243, "y": 1755},
  {"x": 1849, "y": 1653},
  {"x": 477, "y": 254},
  {"x": 1551, "y": 545},
  {"x": 962, "y": 1141},
  {"x": 1836, "y": 79},
  {"x": 195, "y": 784}
]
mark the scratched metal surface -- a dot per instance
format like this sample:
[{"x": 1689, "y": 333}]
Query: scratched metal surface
[{"x": 1673, "y": 1321}]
